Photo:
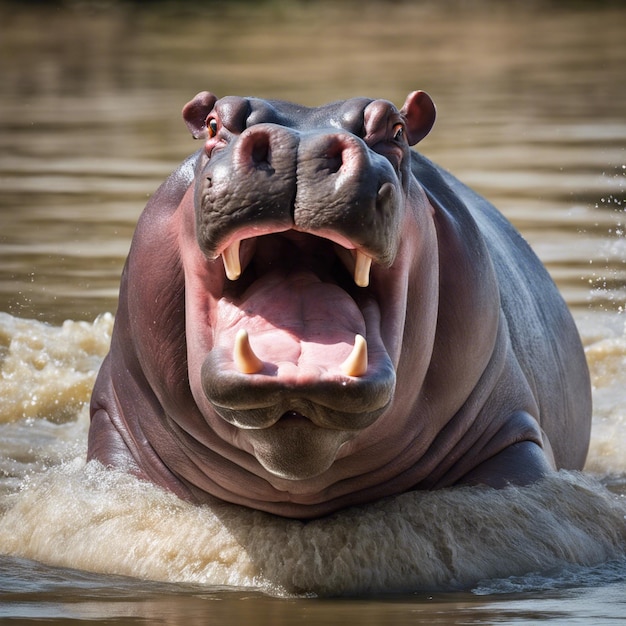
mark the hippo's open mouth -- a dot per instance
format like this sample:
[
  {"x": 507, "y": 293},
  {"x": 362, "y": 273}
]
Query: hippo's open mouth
[{"x": 297, "y": 339}]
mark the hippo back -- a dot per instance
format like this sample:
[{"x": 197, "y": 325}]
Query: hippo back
[{"x": 542, "y": 330}]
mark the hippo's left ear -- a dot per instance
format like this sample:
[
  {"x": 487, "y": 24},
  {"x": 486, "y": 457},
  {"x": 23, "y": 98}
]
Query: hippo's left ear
[
  {"x": 196, "y": 111},
  {"x": 419, "y": 113}
]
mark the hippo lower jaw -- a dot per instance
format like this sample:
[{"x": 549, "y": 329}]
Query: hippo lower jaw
[{"x": 298, "y": 363}]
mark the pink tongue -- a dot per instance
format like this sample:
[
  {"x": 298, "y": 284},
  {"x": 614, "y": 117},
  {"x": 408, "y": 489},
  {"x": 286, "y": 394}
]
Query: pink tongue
[{"x": 295, "y": 319}]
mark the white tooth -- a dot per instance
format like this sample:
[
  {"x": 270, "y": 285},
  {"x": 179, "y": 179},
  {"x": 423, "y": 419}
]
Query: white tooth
[
  {"x": 356, "y": 363},
  {"x": 245, "y": 360},
  {"x": 362, "y": 266},
  {"x": 230, "y": 256}
]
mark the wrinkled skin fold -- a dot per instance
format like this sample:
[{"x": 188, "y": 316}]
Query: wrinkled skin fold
[{"x": 313, "y": 315}]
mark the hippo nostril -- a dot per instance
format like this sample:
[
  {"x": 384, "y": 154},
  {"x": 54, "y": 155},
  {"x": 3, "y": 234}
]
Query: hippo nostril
[
  {"x": 334, "y": 163},
  {"x": 254, "y": 150},
  {"x": 334, "y": 156}
]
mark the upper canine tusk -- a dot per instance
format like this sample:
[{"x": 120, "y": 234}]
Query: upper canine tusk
[
  {"x": 362, "y": 266},
  {"x": 356, "y": 363},
  {"x": 246, "y": 361},
  {"x": 232, "y": 265}
]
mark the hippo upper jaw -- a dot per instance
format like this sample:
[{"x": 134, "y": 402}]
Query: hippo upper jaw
[{"x": 276, "y": 179}]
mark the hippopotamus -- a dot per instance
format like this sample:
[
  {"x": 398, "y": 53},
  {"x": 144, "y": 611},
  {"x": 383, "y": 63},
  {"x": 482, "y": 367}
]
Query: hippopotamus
[{"x": 315, "y": 316}]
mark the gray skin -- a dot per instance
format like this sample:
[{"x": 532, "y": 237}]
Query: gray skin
[{"x": 476, "y": 372}]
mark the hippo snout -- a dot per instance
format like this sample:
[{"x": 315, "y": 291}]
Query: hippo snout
[
  {"x": 247, "y": 185},
  {"x": 271, "y": 178}
]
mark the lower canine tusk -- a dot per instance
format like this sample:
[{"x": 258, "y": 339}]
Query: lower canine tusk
[
  {"x": 245, "y": 360},
  {"x": 356, "y": 363}
]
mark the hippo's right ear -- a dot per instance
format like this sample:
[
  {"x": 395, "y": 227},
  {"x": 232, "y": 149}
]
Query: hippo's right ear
[
  {"x": 419, "y": 113},
  {"x": 196, "y": 111}
]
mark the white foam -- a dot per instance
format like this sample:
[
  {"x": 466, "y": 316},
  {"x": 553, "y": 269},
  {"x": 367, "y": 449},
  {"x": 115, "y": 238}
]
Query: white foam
[{"x": 105, "y": 521}]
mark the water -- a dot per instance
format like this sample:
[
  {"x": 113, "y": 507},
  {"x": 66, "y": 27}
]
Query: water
[{"x": 531, "y": 113}]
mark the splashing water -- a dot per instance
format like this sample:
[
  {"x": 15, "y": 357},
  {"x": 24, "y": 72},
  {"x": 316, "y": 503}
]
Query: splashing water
[{"x": 63, "y": 512}]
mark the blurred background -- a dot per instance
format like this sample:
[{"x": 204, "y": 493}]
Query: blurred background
[{"x": 531, "y": 113}]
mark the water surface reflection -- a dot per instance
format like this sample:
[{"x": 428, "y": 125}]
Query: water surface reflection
[{"x": 530, "y": 103}]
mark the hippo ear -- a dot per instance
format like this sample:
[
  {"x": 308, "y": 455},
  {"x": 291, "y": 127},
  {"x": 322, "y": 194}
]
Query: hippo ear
[
  {"x": 419, "y": 113},
  {"x": 195, "y": 113}
]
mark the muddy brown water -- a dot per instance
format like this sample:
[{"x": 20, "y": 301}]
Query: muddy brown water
[{"x": 531, "y": 104}]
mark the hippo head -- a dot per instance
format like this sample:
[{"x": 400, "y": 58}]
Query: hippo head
[{"x": 296, "y": 272}]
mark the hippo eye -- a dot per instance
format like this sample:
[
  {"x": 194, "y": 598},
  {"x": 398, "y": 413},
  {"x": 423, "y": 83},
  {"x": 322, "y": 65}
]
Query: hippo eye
[
  {"x": 212, "y": 127},
  {"x": 398, "y": 132}
]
